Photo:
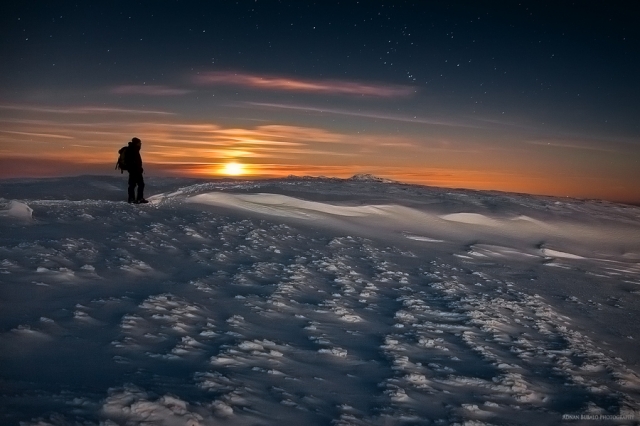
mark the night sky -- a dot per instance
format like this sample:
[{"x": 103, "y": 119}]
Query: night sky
[{"x": 536, "y": 97}]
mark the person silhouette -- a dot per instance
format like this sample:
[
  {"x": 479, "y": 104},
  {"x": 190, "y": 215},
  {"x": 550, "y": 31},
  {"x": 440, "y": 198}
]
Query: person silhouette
[{"x": 133, "y": 160}]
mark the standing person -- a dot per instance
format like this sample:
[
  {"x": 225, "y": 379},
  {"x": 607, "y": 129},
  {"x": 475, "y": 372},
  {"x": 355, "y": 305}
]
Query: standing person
[{"x": 134, "y": 167}]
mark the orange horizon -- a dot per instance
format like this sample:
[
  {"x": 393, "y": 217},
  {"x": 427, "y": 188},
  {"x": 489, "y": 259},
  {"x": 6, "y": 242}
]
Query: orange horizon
[
  {"x": 26, "y": 167},
  {"x": 48, "y": 142}
]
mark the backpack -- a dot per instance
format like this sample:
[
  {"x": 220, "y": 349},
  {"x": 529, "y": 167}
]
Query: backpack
[{"x": 122, "y": 163}]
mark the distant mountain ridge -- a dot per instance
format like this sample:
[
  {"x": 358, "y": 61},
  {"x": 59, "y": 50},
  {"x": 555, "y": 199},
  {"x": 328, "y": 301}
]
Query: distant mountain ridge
[
  {"x": 359, "y": 177},
  {"x": 367, "y": 177}
]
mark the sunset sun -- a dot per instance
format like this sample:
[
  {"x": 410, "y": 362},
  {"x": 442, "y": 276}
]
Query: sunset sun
[{"x": 233, "y": 169}]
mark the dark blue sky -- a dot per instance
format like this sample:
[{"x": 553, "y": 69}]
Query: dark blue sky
[{"x": 496, "y": 82}]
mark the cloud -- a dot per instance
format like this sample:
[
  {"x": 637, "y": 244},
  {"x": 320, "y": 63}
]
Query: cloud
[
  {"x": 82, "y": 110},
  {"x": 398, "y": 144},
  {"x": 277, "y": 134},
  {"x": 120, "y": 111},
  {"x": 149, "y": 90},
  {"x": 371, "y": 115},
  {"x": 43, "y": 135},
  {"x": 330, "y": 87},
  {"x": 12, "y": 166},
  {"x": 581, "y": 144},
  {"x": 184, "y": 142}
]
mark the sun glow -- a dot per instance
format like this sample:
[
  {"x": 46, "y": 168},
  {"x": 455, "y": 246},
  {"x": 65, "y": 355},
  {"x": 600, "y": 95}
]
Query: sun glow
[{"x": 233, "y": 169}]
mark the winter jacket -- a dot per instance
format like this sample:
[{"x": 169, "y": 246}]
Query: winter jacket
[{"x": 133, "y": 159}]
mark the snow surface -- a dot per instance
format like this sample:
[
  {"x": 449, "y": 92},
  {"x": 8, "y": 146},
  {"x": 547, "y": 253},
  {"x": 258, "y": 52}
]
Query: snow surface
[{"x": 314, "y": 302}]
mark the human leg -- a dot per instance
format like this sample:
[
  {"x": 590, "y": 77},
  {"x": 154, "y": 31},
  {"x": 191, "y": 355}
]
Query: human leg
[
  {"x": 140, "y": 188},
  {"x": 132, "y": 187}
]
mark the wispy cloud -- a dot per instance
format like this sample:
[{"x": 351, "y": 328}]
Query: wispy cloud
[
  {"x": 582, "y": 144},
  {"x": 123, "y": 111},
  {"x": 282, "y": 133},
  {"x": 81, "y": 110},
  {"x": 331, "y": 87},
  {"x": 43, "y": 135},
  {"x": 268, "y": 141},
  {"x": 149, "y": 90},
  {"x": 370, "y": 115},
  {"x": 13, "y": 166}
]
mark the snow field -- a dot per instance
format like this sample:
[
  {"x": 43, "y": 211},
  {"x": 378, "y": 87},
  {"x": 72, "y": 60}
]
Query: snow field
[{"x": 225, "y": 304}]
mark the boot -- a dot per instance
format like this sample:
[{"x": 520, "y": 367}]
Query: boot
[{"x": 140, "y": 199}]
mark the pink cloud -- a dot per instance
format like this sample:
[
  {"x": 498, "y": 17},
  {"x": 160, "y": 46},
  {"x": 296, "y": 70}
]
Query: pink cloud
[
  {"x": 150, "y": 90},
  {"x": 333, "y": 87}
]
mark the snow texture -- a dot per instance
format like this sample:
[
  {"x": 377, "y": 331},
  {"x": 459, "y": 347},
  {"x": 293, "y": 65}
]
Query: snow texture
[{"x": 308, "y": 301}]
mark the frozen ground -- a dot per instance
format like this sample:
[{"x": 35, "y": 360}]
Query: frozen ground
[{"x": 314, "y": 302}]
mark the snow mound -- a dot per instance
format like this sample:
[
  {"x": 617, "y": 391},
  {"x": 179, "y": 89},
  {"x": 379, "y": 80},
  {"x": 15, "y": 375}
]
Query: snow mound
[
  {"x": 556, "y": 253},
  {"x": 471, "y": 219},
  {"x": 17, "y": 210},
  {"x": 281, "y": 205}
]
